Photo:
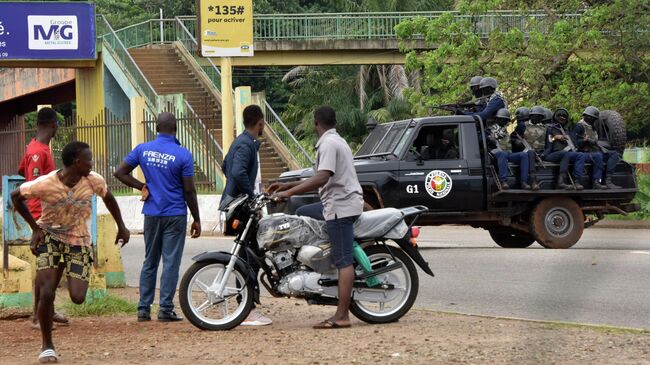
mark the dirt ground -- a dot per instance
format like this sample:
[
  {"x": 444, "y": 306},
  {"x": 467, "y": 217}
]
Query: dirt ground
[{"x": 421, "y": 337}]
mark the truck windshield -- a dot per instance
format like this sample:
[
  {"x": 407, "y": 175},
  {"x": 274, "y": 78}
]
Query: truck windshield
[{"x": 384, "y": 140}]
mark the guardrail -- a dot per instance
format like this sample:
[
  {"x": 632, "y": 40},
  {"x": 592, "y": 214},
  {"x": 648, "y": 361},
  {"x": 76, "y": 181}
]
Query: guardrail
[{"x": 269, "y": 27}]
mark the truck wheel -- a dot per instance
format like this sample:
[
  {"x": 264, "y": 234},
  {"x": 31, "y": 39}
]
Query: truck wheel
[
  {"x": 616, "y": 133},
  {"x": 557, "y": 222},
  {"x": 511, "y": 238}
]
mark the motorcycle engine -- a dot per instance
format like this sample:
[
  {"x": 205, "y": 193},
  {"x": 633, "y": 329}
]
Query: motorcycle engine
[{"x": 300, "y": 282}]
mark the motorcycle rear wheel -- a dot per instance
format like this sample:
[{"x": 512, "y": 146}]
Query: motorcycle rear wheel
[
  {"x": 203, "y": 308},
  {"x": 404, "y": 279}
]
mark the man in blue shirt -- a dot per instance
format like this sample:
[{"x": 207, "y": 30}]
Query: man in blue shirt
[
  {"x": 240, "y": 166},
  {"x": 169, "y": 190}
]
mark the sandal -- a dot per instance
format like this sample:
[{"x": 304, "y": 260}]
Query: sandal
[
  {"x": 330, "y": 324},
  {"x": 48, "y": 356}
]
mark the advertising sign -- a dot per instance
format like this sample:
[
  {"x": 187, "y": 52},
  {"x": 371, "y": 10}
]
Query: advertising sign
[
  {"x": 47, "y": 31},
  {"x": 226, "y": 28}
]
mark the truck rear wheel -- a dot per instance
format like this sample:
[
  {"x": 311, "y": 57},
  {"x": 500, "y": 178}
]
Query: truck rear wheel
[
  {"x": 511, "y": 238},
  {"x": 557, "y": 222}
]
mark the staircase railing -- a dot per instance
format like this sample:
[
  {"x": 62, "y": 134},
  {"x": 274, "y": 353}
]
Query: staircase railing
[
  {"x": 274, "y": 122},
  {"x": 209, "y": 157}
]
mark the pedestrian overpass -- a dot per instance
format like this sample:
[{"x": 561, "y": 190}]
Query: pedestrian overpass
[{"x": 155, "y": 65}]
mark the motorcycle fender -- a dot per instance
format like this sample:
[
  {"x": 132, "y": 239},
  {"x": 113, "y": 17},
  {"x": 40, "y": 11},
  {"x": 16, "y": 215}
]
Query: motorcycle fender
[
  {"x": 414, "y": 254},
  {"x": 224, "y": 257}
]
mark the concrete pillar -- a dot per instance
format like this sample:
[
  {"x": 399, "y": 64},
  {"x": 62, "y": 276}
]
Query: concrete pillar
[
  {"x": 109, "y": 257},
  {"x": 242, "y": 100},
  {"x": 16, "y": 287},
  {"x": 227, "y": 120},
  {"x": 137, "y": 129}
]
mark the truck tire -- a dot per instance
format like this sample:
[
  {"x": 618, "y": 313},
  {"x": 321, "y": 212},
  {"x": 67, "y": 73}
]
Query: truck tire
[
  {"x": 616, "y": 133},
  {"x": 511, "y": 238},
  {"x": 557, "y": 222}
]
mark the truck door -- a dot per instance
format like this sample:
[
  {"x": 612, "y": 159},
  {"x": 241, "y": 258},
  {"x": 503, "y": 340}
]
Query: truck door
[{"x": 435, "y": 172}]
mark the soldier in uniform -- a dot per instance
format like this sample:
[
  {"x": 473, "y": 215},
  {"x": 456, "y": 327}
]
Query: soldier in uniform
[
  {"x": 500, "y": 147},
  {"x": 559, "y": 148},
  {"x": 587, "y": 141},
  {"x": 519, "y": 143},
  {"x": 495, "y": 101}
]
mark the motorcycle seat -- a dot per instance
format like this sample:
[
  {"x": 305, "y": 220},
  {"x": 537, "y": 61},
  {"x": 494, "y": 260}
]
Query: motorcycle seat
[{"x": 380, "y": 223}]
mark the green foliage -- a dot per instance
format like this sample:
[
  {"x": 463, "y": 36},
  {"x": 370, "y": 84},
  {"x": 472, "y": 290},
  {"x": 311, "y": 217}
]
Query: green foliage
[
  {"x": 601, "y": 60},
  {"x": 104, "y": 306},
  {"x": 643, "y": 196}
]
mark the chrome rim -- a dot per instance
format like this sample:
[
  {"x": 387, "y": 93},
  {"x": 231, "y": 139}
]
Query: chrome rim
[
  {"x": 204, "y": 301},
  {"x": 399, "y": 278}
]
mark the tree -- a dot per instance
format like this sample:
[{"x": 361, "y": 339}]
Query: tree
[{"x": 600, "y": 58}]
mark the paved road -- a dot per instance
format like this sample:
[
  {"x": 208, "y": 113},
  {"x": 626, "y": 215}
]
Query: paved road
[{"x": 601, "y": 280}]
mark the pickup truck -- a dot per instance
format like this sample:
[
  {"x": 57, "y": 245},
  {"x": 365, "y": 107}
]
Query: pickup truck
[{"x": 405, "y": 163}]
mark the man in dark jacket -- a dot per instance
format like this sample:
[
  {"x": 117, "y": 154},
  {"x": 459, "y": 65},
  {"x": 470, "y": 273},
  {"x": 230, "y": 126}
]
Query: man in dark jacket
[{"x": 240, "y": 166}]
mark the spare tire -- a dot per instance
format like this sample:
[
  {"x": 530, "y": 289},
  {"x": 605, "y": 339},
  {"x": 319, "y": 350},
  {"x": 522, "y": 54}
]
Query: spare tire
[{"x": 614, "y": 129}]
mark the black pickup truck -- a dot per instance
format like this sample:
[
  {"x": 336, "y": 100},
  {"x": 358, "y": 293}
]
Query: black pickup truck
[{"x": 406, "y": 163}]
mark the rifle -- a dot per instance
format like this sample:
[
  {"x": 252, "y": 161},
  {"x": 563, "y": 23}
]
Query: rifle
[
  {"x": 570, "y": 146},
  {"x": 454, "y": 108},
  {"x": 528, "y": 147}
]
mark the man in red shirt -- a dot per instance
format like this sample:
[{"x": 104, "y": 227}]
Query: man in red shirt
[{"x": 38, "y": 162}]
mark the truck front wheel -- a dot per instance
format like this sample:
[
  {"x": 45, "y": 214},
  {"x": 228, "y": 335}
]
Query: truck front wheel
[
  {"x": 511, "y": 238},
  {"x": 557, "y": 222}
]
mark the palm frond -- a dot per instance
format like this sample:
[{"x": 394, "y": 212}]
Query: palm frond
[
  {"x": 397, "y": 81},
  {"x": 294, "y": 73},
  {"x": 362, "y": 79}
]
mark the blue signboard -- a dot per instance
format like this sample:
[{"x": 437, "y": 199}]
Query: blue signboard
[{"x": 47, "y": 31}]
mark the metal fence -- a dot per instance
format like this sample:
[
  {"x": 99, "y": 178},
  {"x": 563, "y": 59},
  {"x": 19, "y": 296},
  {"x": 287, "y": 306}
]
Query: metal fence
[
  {"x": 109, "y": 138},
  {"x": 193, "y": 134}
]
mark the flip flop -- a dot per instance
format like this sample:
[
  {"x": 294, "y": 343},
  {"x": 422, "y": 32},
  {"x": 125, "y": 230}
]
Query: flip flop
[
  {"x": 48, "y": 356},
  {"x": 329, "y": 324}
]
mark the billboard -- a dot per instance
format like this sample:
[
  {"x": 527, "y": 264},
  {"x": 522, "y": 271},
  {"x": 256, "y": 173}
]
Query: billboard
[
  {"x": 47, "y": 31},
  {"x": 226, "y": 28}
]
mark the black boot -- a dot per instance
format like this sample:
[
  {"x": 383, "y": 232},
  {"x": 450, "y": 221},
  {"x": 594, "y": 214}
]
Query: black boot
[
  {"x": 610, "y": 184},
  {"x": 560, "y": 182},
  {"x": 534, "y": 184},
  {"x": 578, "y": 186},
  {"x": 504, "y": 185},
  {"x": 599, "y": 186},
  {"x": 525, "y": 186}
]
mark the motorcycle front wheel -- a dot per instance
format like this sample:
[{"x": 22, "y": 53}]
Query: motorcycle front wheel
[
  {"x": 404, "y": 281},
  {"x": 204, "y": 307}
]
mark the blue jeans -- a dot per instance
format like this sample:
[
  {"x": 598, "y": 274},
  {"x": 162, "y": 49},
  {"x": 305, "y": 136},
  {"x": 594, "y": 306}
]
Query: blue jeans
[
  {"x": 520, "y": 158},
  {"x": 612, "y": 158},
  {"x": 567, "y": 157},
  {"x": 596, "y": 159},
  {"x": 341, "y": 233},
  {"x": 314, "y": 210},
  {"x": 163, "y": 236}
]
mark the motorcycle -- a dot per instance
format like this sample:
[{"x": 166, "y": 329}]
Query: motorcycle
[{"x": 217, "y": 292}]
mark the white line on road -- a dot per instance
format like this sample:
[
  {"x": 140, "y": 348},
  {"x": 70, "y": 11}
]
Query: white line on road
[{"x": 641, "y": 252}]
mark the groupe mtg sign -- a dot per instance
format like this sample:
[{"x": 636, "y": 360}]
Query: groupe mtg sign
[{"x": 47, "y": 31}]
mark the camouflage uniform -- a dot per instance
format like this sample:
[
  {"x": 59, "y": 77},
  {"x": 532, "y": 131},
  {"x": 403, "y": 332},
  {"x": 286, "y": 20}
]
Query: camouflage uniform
[{"x": 535, "y": 135}]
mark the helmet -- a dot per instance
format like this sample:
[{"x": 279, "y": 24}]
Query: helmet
[
  {"x": 503, "y": 116},
  {"x": 591, "y": 111},
  {"x": 488, "y": 82},
  {"x": 475, "y": 81},
  {"x": 537, "y": 114},
  {"x": 522, "y": 114},
  {"x": 561, "y": 116},
  {"x": 548, "y": 115}
]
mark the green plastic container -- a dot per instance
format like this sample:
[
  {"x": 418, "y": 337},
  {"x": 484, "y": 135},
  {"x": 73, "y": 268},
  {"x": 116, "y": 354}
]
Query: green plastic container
[{"x": 361, "y": 257}]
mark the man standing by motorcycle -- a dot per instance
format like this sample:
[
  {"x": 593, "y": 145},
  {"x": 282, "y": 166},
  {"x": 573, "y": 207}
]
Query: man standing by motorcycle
[{"x": 342, "y": 199}]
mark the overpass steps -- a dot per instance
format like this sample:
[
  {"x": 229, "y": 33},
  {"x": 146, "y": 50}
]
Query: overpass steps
[{"x": 167, "y": 72}]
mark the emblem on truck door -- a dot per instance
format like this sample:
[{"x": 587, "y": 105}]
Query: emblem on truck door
[{"x": 438, "y": 184}]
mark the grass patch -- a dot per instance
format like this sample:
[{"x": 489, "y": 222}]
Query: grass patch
[{"x": 105, "y": 306}]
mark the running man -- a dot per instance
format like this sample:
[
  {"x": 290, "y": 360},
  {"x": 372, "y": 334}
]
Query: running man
[{"x": 60, "y": 239}]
